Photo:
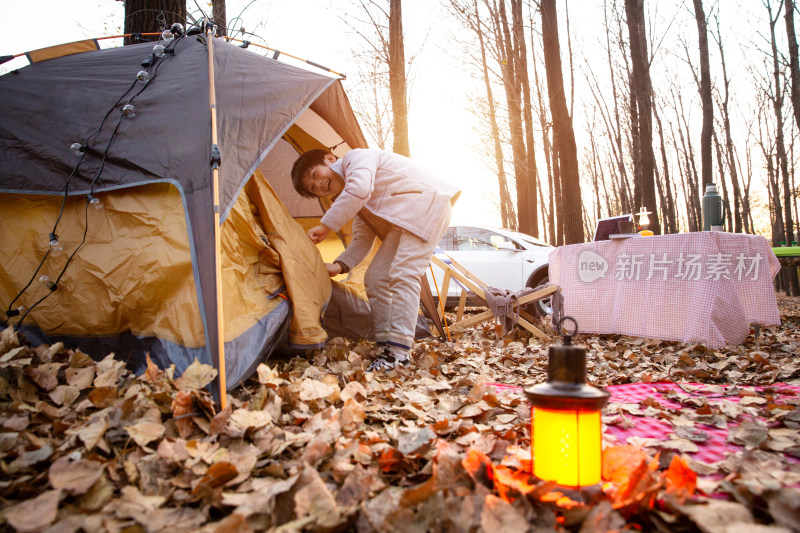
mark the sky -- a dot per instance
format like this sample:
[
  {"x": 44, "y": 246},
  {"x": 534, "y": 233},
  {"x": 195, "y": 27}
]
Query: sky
[{"x": 443, "y": 132}]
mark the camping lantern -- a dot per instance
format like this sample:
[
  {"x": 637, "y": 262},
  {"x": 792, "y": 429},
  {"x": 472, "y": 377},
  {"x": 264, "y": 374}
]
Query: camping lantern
[
  {"x": 644, "y": 221},
  {"x": 566, "y": 440}
]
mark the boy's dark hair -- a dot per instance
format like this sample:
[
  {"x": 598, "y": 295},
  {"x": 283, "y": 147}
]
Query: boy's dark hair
[{"x": 304, "y": 163}]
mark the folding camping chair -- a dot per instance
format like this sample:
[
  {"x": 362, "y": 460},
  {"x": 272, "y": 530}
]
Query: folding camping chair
[{"x": 470, "y": 281}]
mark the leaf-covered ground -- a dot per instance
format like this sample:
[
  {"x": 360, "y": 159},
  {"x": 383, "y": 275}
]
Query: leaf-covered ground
[{"x": 318, "y": 444}]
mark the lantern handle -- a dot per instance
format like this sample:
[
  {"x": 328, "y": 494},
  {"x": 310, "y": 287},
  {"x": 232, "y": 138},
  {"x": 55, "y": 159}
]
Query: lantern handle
[{"x": 561, "y": 331}]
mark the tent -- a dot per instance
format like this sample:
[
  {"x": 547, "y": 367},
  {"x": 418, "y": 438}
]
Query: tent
[{"x": 137, "y": 276}]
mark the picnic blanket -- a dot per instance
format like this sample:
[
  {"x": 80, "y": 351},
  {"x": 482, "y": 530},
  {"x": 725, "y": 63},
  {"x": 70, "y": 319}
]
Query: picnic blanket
[{"x": 639, "y": 413}]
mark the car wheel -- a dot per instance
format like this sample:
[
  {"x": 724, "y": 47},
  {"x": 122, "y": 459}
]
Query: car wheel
[{"x": 544, "y": 306}]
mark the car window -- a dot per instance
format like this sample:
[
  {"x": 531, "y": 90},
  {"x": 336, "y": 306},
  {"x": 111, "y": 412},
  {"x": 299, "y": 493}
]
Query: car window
[
  {"x": 446, "y": 244},
  {"x": 478, "y": 240}
]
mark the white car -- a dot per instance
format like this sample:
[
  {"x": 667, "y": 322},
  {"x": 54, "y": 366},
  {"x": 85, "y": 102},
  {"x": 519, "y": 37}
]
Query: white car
[{"x": 501, "y": 258}]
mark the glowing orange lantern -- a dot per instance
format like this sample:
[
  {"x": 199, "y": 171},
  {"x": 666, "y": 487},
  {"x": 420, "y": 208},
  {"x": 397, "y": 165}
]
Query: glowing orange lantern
[
  {"x": 644, "y": 221},
  {"x": 566, "y": 436}
]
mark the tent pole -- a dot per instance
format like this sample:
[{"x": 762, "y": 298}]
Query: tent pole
[{"x": 212, "y": 98}]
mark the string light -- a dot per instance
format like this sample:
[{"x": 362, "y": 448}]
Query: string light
[
  {"x": 167, "y": 36},
  {"x": 94, "y": 201},
  {"x": 54, "y": 244},
  {"x": 128, "y": 110}
]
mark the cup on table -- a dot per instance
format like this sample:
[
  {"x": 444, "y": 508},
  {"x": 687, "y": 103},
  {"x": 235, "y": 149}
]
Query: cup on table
[{"x": 716, "y": 228}]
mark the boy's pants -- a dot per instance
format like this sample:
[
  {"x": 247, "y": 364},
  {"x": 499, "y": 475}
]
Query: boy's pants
[{"x": 392, "y": 282}]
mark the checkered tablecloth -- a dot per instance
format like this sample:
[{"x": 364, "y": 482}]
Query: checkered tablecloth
[
  {"x": 704, "y": 287},
  {"x": 714, "y": 449},
  {"x": 709, "y": 451}
]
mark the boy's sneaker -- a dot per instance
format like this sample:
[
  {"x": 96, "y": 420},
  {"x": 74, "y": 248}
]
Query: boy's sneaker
[{"x": 386, "y": 361}]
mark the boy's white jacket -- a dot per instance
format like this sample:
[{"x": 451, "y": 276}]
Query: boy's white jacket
[{"x": 392, "y": 187}]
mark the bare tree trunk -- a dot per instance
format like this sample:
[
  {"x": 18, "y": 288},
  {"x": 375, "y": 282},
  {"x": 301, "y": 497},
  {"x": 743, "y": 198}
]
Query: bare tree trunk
[
  {"x": 530, "y": 222},
  {"x": 705, "y": 94},
  {"x": 626, "y": 195},
  {"x": 694, "y": 184},
  {"x": 397, "y": 78},
  {"x": 729, "y": 148},
  {"x": 559, "y": 200},
  {"x": 778, "y": 226},
  {"x": 149, "y": 16},
  {"x": 513, "y": 88},
  {"x": 595, "y": 170},
  {"x": 689, "y": 189},
  {"x": 219, "y": 17},
  {"x": 668, "y": 210},
  {"x": 506, "y": 207},
  {"x": 777, "y": 102},
  {"x": 563, "y": 135},
  {"x": 722, "y": 180},
  {"x": 550, "y": 224},
  {"x": 793, "y": 58},
  {"x": 641, "y": 89},
  {"x": 747, "y": 179}
]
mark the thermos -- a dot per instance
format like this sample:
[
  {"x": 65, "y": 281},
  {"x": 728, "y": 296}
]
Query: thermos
[{"x": 712, "y": 208}]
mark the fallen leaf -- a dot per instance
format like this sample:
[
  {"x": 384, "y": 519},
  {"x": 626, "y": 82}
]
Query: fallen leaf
[
  {"x": 80, "y": 377},
  {"x": 34, "y": 514},
  {"x": 91, "y": 433},
  {"x": 233, "y": 523},
  {"x": 144, "y": 433},
  {"x": 410, "y": 443},
  {"x": 102, "y": 397},
  {"x": 216, "y": 476},
  {"x": 109, "y": 371},
  {"x": 714, "y": 516},
  {"x": 64, "y": 394},
  {"x": 196, "y": 376},
  {"x": 479, "y": 467},
  {"x": 182, "y": 413},
  {"x": 750, "y": 433},
  {"x": 500, "y": 517},
  {"x": 44, "y": 375},
  {"x": 312, "y": 389},
  {"x": 74, "y": 476},
  {"x": 153, "y": 374},
  {"x": 681, "y": 480},
  {"x": 244, "y": 419}
]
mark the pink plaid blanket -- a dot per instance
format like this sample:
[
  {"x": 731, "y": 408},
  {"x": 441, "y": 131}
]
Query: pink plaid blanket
[
  {"x": 714, "y": 449},
  {"x": 705, "y": 287}
]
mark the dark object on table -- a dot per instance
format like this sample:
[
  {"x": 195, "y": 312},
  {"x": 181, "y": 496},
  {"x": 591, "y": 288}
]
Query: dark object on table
[{"x": 611, "y": 226}]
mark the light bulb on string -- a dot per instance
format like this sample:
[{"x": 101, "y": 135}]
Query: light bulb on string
[
  {"x": 94, "y": 201},
  {"x": 177, "y": 29},
  {"x": 143, "y": 76},
  {"x": 44, "y": 280},
  {"x": 167, "y": 36},
  {"x": 54, "y": 244},
  {"x": 158, "y": 50},
  {"x": 77, "y": 148},
  {"x": 128, "y": 110}
]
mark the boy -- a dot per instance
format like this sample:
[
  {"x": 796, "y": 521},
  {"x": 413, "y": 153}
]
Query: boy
[{"x": 390, "y": 197}]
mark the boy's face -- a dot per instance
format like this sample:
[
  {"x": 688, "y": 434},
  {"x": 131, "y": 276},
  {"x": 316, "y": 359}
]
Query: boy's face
[{"x": 321, "y": 181}]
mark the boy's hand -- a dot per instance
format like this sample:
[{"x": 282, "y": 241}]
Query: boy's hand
[
  {"x": 317, "y": 234},
  {"x": 334, "y": 269}
]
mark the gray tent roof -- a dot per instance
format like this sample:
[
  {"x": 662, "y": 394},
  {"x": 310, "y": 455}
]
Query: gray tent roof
[{"x": 78, "y": 98}]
